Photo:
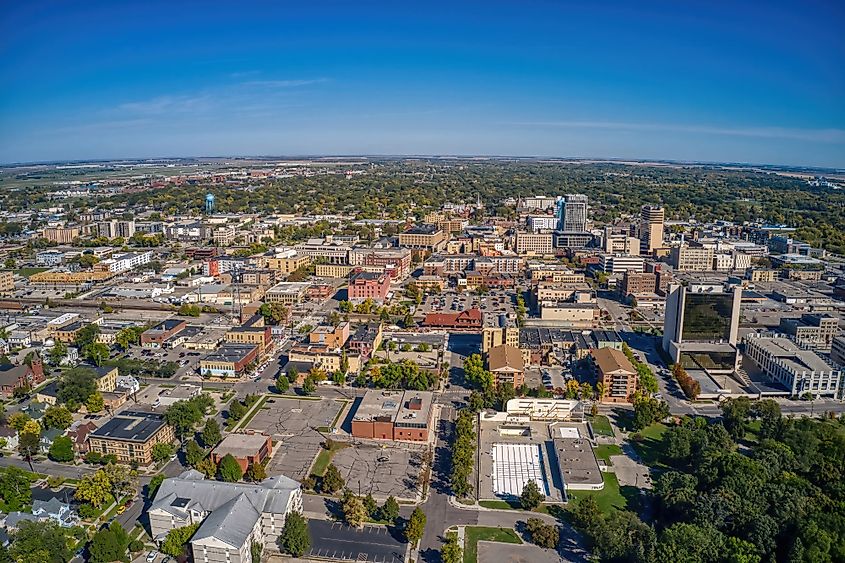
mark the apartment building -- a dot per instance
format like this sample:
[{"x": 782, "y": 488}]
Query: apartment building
[
  {"x": 534, "y": 243},
  {"x": 223, "y": 235},
  {"x": 7, "y": 281},
  {"x": 423, "y": 237},
  {"x": 616, "y": 373},
  {"x": 256, "y": 335},
  {"x": 61, "y": 235},
  {"x": 289, "y": 262},
  {"x": 131, "y": 435},
  {"x": 331, "y": 336},
  {"x": 687, "y": 258},
  {"x": 124, "y": 262},
  {"x": 506, "y": 364},
  {"x": 651, "y": 228},
  {"x": 368, "y": 285}
]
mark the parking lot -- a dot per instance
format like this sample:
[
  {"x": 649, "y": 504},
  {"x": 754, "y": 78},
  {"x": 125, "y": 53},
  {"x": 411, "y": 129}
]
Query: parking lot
[
  {"x": 495, "y": 302},
  {"x": 382, "y": 470},
  {"x": 293, "y": 423},
  {"x": 331, "y": 540}
]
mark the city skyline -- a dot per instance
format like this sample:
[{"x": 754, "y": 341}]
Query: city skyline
[{"x": 550, "y": 80}]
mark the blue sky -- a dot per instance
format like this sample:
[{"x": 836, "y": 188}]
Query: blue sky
[{"x": 710, "y": 81}]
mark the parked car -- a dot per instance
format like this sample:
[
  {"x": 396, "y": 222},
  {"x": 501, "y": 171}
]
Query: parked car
[{"x": 151, "y": 556}]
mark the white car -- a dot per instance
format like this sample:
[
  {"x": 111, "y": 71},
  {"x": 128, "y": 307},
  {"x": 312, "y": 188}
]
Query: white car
[{"x": 151, "y": 556}]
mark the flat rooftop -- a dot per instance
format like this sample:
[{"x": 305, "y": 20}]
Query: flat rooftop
[
  {"x": 241, "y": 445},
  {"x": 131, "y": 426},
  {"x": 230, "y": 353},
  {"x": 577, "y": 462}
]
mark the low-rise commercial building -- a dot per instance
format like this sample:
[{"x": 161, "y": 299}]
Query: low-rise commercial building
[
  {"x": 230, "y": 360},
  {"x": 247, "y": 449},
  {"x": 156, "y": 336},
  {"x": 812, "y": 330},
  {"x": 287, "y": 293},
  {"x": 394, "y": 415}
]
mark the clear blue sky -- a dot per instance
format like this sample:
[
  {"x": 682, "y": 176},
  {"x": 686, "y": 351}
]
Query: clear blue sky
[{"x": 760, "y": 82}]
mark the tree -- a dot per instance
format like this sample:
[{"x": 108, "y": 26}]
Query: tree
[
  {"x": 109, "y": 544},
  {"x": 207, "y": 467},
  {"x": 308, "y": 386},
  {"x": 154, "y": 485},
  {"x": 229, "y": 469},
  {"x": 255, "y": 550},
  {"x": 58, "y": 352},
  {"x": 29, "y": 444},
  {"x": 237, "y": 410},
  {"x": 187, "y": 310},
  {"x": 452, "y": 552},
  {"x": 416, "y": 526},
  {"x": 40, "y": 542},
  {"x": 735, "y": 413},
  {"x": 531, "y": 496},
  {"x": 542, "y": 534},
  {"x": 61, "y": 449},
  {"x": 97, "y": 352},
  {"x": 163, "y": 451},
  {"x": 122, "y": 479},
  {"x": 183, "y": 416},
  {"x": 389, "y": 511},
  {"x": 211, "y": 434},
  {"x": 18, "y": 420},
  {"x": 274, "y": 313},
  {"x": 345, "y": 307},
  {"x": 57, "y": 417},
  {"x": 353, "y": 509},
  {"x": 256, "y": 473},
  {"x": 648, "y": 410},
  {"x": 94, "y": 488},
  {"x": 175, "y": 542},
  {"x": 282, "y": 384},
  {"x": 475, "y": 373},
  {"x": 371, "y": 506},
  {"x": 15, "y": 488},
  {"x": 294, "y": 539},
  {"x": 332, "y": 480},
  {"x": 77, "y": 385},
  {"x": 86, "y": 336},
  {"x": 95, "y": 403}
]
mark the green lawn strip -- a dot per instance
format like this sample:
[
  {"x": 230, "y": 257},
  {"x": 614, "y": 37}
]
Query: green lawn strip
[
  {"x": 604, "y": 451},
  {"x": 474, "y": 534},
  {"x": 510, "y": 505},
  {"x": 601, "y": 425},
  {"x": 288, "y": 396},
  {"x": 251, "y": 414},
  {"x": 324, "y": 458},
  {"x": 610, "y": 497}
]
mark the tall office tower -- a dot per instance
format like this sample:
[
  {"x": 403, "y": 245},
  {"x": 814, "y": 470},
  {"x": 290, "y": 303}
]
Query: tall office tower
[
  {"x": 572, "y": 213},
  {"x": 700, "y": 328},
  {"x": 651, "y": 228}
]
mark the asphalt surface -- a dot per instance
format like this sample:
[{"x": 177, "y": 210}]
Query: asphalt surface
[{"x": 332, "y": 540}]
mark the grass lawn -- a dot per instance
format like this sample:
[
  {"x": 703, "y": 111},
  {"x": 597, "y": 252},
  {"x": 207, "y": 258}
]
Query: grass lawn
[
  {"x": 255, "y": 408},
  {"x": 606, "y": 450},
  {"x": 601, "y": 425},
  {"x": 510, "y": 505},
  {"x": 650, "y": 446},
  {"x": 474, "y": 534},
  {"x": 26, "y": 272},
  {"x": 608, "y": 498},
  {"x": 324, "y": 458},
  {"x": 752, "y": 431}
]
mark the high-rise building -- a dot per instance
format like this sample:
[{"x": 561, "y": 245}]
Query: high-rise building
[
  {"x": 572, "y": 213},
  {"x": 700, "y": 328},
  {"x": 651, "y": 228}
]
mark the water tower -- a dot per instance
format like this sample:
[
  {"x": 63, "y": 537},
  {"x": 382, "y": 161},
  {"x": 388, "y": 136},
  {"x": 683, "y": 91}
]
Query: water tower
[{"x": 209, "y": 203}]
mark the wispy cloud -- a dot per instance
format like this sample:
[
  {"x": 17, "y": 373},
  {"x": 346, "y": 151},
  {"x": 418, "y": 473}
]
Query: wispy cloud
[
  {"x": 799, "y": 134},
  {"x": 266, "y": 93}
]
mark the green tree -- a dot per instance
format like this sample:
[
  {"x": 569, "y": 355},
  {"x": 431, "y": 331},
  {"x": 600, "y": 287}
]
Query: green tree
[
  {"x": 371, "y": 506},
  {"x": 86, "y": 336},
  {"x": 58, "y": 352},
  {"x": 154, "y": 485},
  {"x": 294, "y": 539},
  {"x": 57, "y": 417},
  {"x": 332, "y": 480},
  {"x": 163, "y": 451},
  {"x": 416, "y": 526},
  {"x": 389, "y": 511},
  {"x": 256, "y": 473},
  {"x": 29, "y": 444},
  {"x": 211, "y": 434},
  {"x": 40, "y": 542},
  {"x": 282, "y": 384},
  {"x": 308, "y": 386},
  {"x": 237, "y": 410},
  {"x": 542, "y": 534},
  {"x": 452, "y": 552},
  {"x": 176, "y": 541},
  {"x": 77, "y": 385},
  {"x": 229, "y": 469},
  {"x": 97, "y": 352},
  {"x": 61, "y": 449},
  {"x": 735, "y": 412},
  {"x": 354, "y": 511},
  {"x": 531, "y": 496},
  {"x": 109, "y": 544},
  {"x": 183, "y": 416},
  {"x": 15, "y": 488},
  {"x": 94, "y": 488},
  {"x": 95, "y": 403}
]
